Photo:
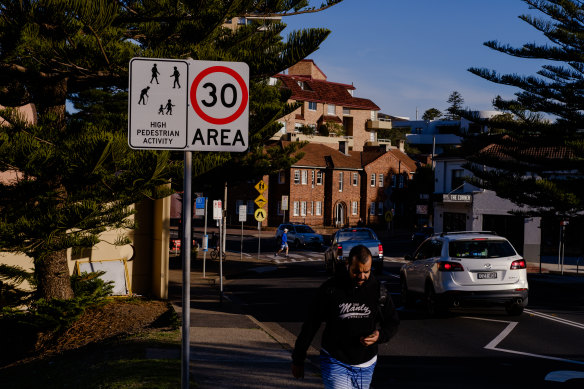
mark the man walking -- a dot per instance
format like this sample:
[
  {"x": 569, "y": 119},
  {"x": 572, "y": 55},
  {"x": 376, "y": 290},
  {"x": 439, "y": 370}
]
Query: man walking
[
  {"x": 359, "y": 315},
  {"x": 284, "y": 244}
]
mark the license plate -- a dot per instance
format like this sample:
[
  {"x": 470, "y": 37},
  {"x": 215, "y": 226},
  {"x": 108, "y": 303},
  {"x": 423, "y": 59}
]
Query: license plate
[{"x": 487, "y": 276}]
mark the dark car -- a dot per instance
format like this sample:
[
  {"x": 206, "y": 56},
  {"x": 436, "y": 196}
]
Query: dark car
[
  {"x": 345, "y": 239},
  {"x": 419, "y": 236}
]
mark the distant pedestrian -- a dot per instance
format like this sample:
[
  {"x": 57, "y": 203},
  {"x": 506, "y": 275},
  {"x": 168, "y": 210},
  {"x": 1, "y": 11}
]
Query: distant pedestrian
[
  {"x": 143, "y": 93},
  {"x": 359, "y": 314},
  {"x": 284, "y": 244},
  {"x": 155, "y": 73},
  {"x": 176, "y": 75},
  {"x": 360, "y": 223}
]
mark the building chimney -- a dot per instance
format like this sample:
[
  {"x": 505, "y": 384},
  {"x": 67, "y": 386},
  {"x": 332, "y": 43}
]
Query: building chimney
[{"x": 402, "y": 145}]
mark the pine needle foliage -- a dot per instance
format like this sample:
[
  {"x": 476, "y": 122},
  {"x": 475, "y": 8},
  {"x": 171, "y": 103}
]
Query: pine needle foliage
[
  {"x": 534, "y": 155},
  {"x": 75, "y": 174}
]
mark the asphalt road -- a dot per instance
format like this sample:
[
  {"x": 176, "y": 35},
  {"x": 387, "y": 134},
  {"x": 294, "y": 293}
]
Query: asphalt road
[{"x": 479, "y": 348}]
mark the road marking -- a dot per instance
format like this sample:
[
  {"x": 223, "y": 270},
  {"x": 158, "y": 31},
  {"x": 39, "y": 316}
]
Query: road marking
[
  {"x": 555, "y": 318},
  {"x": 510, "y": 326},
  {"x": 563, "y": 375}
]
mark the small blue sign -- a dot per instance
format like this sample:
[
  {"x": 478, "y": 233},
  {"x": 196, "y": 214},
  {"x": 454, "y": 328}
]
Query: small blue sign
[{"x": 200, "y": 202}]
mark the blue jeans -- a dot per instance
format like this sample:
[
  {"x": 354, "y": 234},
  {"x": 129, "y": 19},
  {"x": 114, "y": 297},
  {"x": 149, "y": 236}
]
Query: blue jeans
[{"x": 339, "y": 375}]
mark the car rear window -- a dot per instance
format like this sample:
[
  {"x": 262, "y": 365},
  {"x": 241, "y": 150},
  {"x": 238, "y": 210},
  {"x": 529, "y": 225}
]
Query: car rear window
[
  {"x": 480, "y": 249},
  {"x": 304, "y": 229},
  {"x": 355, "y": 235}
]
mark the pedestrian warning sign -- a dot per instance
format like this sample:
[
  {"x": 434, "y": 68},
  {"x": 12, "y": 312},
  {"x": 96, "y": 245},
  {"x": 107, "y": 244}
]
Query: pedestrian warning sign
[
  {"x": 158, "y": 104},
  {"x": 188, "y": 105},
  {"x": 260, "y": 214}
]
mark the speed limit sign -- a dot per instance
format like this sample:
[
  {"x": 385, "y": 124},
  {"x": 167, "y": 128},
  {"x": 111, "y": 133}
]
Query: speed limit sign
[{"x": 218, "y": 115}]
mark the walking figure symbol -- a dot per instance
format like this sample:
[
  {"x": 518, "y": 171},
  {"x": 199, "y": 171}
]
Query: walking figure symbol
[
  {"x": 169, "y": 106},
  {"x": 161, "y": 109},
  {"x": 176, "y": 75},
  {"x": 155, "y": 74},
  {"x": 143, "y": 93}
]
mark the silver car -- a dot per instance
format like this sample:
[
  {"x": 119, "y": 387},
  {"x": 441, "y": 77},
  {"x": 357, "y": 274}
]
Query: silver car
[{"x": 465, "y": 268}]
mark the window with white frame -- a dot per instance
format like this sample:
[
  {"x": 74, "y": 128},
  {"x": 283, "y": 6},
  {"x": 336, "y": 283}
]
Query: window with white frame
[
  {"x": 354, "y": 207},
  {"x": 330, "y": 109},
  {"x": 372, "y": 209},
  {"x": 312, "y": 178},
  {"x": 296, "y": 208},
  {"x": 381, "y": 180},
  {"x": 297, "y": 176},
  {"x": 318, "y": 211},
  {"x": 297, "y": 127},
  {"x": 341, "y": 174},
  {"x": 319, "y": 177},
  {"x": 346, "y": 111},
  {"x": 380, "y": 208},
  {"x": 372, "y": 179},
  {"x": 312, "y": 105},
  {"x": 304, "y": 177},
  {"x": 303, "y": 208},
  {"x": 312, "y": 207},
  {"x": 373, "y": 115},
  {"x": 355, "y": 179},
  {"x": 281, "y": 177}
]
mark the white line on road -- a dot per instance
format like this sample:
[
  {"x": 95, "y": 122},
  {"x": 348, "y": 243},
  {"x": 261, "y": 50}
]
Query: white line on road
[
  {"x": 555, "y": 318},
  {"x": 510, "y": 326}
]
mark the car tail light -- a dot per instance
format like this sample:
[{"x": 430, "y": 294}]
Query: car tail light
[
  {"x": 380, "y": 248},
  {"x": 340, "y": 251},
  {"x": 519, "y": 264},
  {"x": 450, "y": 266}
]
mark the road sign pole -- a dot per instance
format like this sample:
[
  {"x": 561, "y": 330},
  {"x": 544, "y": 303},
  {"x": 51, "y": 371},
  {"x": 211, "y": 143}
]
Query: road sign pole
[
  {"x": 205, "y": 235},
  {"x": 186, "y": 250},
  {"x": 259, "y": 238}
]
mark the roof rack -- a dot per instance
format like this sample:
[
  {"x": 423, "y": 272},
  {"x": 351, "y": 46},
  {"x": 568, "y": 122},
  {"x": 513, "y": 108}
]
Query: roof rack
[{"x": 468, "y": 232}]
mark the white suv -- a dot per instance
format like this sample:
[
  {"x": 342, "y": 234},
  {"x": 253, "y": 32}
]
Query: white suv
[{"x": 470, "y": 267}]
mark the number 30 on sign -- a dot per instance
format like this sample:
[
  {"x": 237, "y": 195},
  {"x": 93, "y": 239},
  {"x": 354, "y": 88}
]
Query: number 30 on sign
[{"x": 219, "y": 99}]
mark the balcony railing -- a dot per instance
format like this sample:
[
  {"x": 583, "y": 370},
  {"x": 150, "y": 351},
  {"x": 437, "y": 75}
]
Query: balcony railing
[{"x": 380, "y": 124}]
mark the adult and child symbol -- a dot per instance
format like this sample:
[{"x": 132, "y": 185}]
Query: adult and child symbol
[{"x": 165, "y": 109}]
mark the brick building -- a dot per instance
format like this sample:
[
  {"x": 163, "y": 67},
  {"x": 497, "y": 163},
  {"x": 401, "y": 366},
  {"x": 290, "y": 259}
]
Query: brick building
[
  {"x": 324, "y": 103},
  {"x": 331, "y": 187}
]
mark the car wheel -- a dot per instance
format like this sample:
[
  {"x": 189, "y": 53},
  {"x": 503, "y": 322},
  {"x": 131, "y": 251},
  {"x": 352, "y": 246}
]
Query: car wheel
[
  {"x": 431, "y": 302},
  {"x": 406, "y": 297},
  {"x": 514, "y": 309}
]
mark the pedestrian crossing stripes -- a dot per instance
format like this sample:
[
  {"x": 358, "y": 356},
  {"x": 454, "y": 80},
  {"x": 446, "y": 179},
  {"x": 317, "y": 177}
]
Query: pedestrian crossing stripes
[{"x": 308, "y": 257}]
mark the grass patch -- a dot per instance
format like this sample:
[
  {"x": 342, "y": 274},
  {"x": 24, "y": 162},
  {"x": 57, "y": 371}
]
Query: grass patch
[{"x": 109, "y": 364}]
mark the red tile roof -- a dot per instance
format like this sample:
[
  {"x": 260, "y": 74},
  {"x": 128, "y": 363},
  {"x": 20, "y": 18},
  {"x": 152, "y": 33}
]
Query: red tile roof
[{"x": 321, "y": 91}]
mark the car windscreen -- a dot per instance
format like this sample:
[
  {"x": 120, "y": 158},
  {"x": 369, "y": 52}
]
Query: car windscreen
[
  {"x": 355, "y": 235},
  {"x": 304, "y": 229},
  {"x": 480, "y": 249}
]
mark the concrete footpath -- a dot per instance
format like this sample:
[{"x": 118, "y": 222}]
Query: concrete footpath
[{"x": 230, "y": 349}]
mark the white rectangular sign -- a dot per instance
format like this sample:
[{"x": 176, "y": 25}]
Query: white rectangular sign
[
  {"x": 242, "y": 213},
  {"x": 157, "y": 113},
  {"x": 188, "y": 105},
  {"x": 217, "y": 209}
]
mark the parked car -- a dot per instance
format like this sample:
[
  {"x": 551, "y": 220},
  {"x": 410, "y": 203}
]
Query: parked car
[
  {"x": 454, "y": 269},
  {"x": 300, "y": 235},
  {"x": 421, "y": 235},
  {"x": 344, "y": 240}
]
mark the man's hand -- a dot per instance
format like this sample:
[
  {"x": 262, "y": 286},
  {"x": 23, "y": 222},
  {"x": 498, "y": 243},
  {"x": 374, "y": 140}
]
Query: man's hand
[
  {"x": 297, "y": 371},
  {"x": 369, "y": 340}
]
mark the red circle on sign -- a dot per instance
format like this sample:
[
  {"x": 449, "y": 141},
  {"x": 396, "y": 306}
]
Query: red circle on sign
[{"x": 195, "y": 103}]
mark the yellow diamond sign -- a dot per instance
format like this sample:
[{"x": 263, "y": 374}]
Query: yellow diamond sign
[
  {"x": 261, "y": 187},
  {"x": 261, "y": 201}
]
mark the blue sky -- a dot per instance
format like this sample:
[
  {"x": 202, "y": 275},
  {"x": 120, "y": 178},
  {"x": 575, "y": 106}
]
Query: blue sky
[{"x": 411, "y": 54}]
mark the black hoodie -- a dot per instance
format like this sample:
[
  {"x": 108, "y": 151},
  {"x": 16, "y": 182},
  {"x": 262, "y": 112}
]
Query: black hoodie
[{"x": 350, "y": 312}]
